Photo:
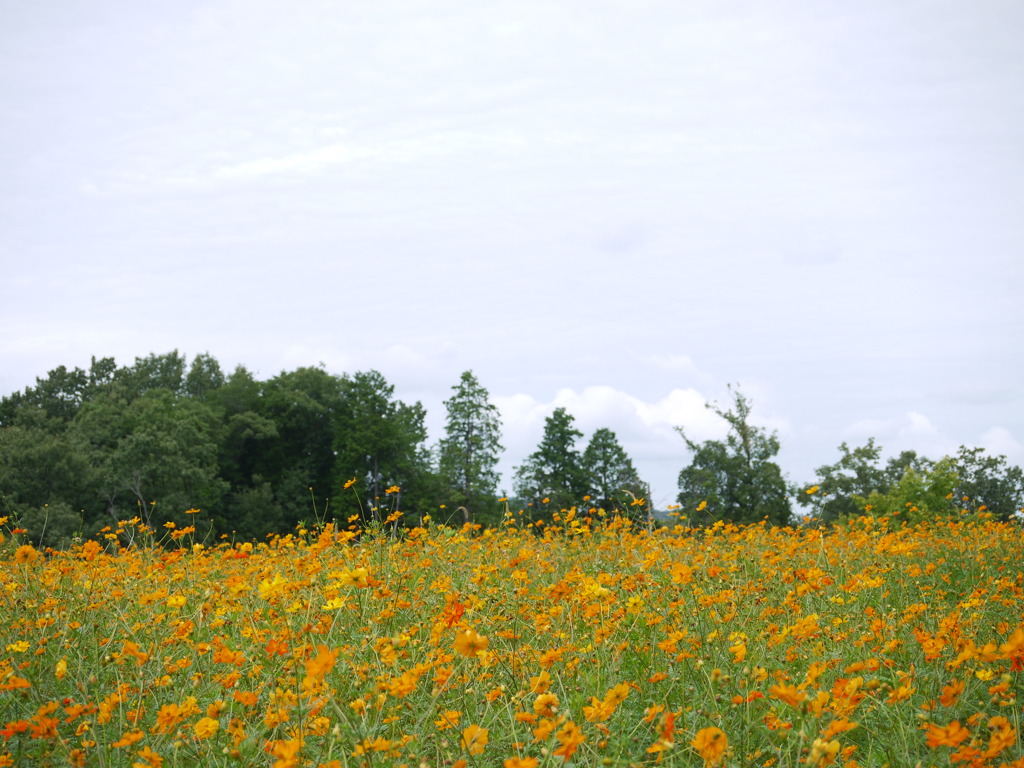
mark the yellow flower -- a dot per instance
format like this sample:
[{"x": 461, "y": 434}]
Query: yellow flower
[
  {"x": 702, "y": 506},
  {"x": 269, "y": 589},
  {"x": 349, "y": 483},
  {"x": 206, "y": 728},
  {"x": 823, "y": 753},
  {"x": 616, "y": 694},
  {"x": 25, "y": 554},
  {"x": 738, "y": 651},
  {"x": 356, "y": 577}
]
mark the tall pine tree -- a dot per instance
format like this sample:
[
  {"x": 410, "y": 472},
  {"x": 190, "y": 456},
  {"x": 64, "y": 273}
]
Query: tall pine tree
[
  {"x": 610, "y": 472},
  {"x": 555, "y": 470},
  {"x": 469, "y": 451}
]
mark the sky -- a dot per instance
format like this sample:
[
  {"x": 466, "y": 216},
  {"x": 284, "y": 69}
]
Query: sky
[{"x": 616, "y": 207}]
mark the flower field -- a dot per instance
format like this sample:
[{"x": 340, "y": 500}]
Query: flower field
[{"x": 590, "y": 643}]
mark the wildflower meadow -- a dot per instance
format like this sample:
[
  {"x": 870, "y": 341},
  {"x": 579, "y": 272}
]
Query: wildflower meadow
[{"x": 592, "y": 640}]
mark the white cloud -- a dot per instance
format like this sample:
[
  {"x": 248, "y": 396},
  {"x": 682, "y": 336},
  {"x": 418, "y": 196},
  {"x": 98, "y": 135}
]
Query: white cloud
[
  {"x": 300, "y": 162},
  {"x": 999, "y": 441},
  {"x": 675, "y": 363},
  {"x": 646, "y": 429},
  {"x": 917, "y": 425}
]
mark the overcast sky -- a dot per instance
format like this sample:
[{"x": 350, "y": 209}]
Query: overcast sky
[{"x": 617, "y": 207}]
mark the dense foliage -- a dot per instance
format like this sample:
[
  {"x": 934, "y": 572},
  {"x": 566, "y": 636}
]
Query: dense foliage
[{"x": 84, "y": 448}]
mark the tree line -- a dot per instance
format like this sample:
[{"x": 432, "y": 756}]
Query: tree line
[{"x": 86, "y": 448}]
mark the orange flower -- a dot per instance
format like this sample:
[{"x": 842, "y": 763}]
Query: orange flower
[
  {"x": 150, "y": 759},
  {"x": 1013, "y": 649},
  {"x": 520, "y": 762},
  {"x": 546, "y": 704},
  {"x": 449, "y": 719},
  {"x": 90, "y": 550},
  {"x": 455, "y": 612},
  {"x": 469, "y": 643},
  {"x": 324, "y": 661},
  {"x": 947, "y": 736},
  {"x": 245, "y": 698},
  {"x": 665, "y": 738},
  {"x": 569, "y": 738},
  {"x": 1001, "y": 735},
  {"x": 788, "y": 694},
  {"x": 168, "y": 717},
  {"x": 540, "y": 683},
  {"x": 474, "y": 739},
  {"x": 286, "y": 752},
  {"x": 951, "y": 693},
  {"x": 128, "y": 739},
  {"x": 711, "y": 744}
]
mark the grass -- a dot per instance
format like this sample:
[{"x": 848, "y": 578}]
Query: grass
[{"x": 591, "y": 643}]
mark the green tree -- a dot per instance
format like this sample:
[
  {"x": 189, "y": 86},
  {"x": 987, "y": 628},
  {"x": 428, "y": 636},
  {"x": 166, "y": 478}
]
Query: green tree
[
  {"x": 289, "y": 441},
  {"x": 919, "y": 494},
  {"x": 40, "y": 471},
  {"x": 555, "y": 470},
  {"x": 611, "y": 477},
  {"x": 840, "y": 488},
  {"x": 737, "y": 477},
  {"x": 157, "y": 448},
  {"x": 53, "y": 402},
  {"x": 380, "y": 440},
  {"x": 204, "y": 376},
  {"x": 988, "y": 481},
  {"x": 469, "y": 451},
  {"x": 53, "y": 525},
  {"x": 154, "y": 371},
  {"x": 248, "y": 432},
  {"x": 859, "y": 472}
]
